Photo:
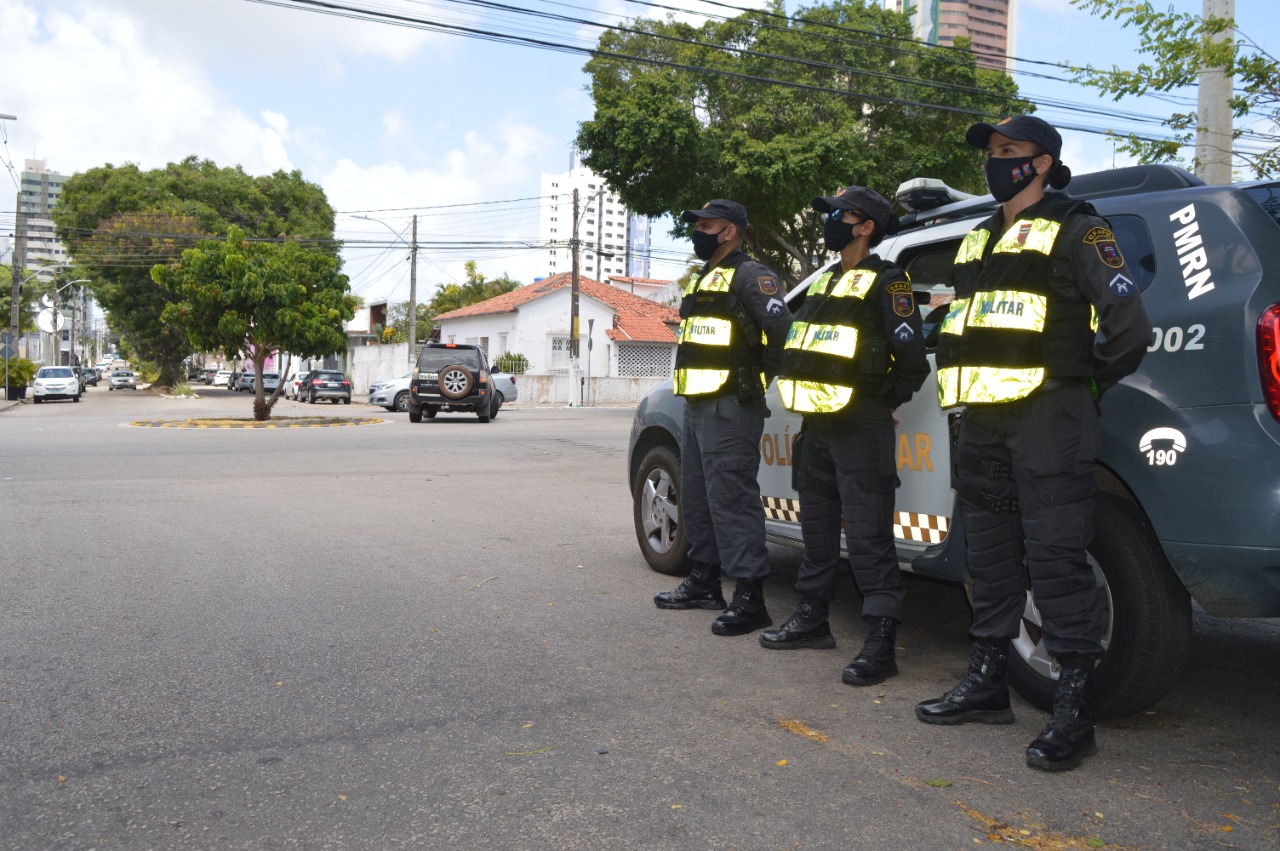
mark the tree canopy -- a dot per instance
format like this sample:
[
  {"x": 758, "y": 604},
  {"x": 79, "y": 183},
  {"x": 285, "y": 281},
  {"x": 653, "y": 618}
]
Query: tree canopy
[
  {"x": 451, "y": 296},
  {"x": 1180, "y": 45},
  {"x": 771, "y": 110},
  {"x": 251, "y": 299},
  {"x": 119, "y": 221}
]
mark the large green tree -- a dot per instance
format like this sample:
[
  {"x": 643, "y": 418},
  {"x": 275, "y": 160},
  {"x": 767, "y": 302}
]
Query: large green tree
[
  {"x": 1180, "y": 46},
  {"x": 252, "y": 299},
  {"x": 867, "y": 106},
  {"x": 119, "y": 221}
]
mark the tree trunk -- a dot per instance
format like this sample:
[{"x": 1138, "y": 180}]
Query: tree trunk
[{"x": 261, "y": 410}]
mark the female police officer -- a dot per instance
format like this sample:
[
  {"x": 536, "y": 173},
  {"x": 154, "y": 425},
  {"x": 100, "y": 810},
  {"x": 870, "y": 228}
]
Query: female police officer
[
  {"x": 853, "y": 354},
  {"x": 1046, "y": 318}
]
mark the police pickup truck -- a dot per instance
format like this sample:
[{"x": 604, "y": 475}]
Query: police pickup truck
[{"x": 1189, "y": 468}]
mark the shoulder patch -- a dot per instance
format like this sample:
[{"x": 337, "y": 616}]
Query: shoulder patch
[
  {"x": 1104, "y": 241},
  {"x": 774, "y": 307},
  {"x": 902, "y": 298},
  {"x": 904, "y": 333},
  {"x": 1122, "y": 286},
  {"x": 767, "y": 285}
]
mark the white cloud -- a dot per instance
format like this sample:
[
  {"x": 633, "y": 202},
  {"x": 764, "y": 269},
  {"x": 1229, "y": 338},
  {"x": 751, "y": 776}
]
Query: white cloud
[{"x": 493, "y": 163}]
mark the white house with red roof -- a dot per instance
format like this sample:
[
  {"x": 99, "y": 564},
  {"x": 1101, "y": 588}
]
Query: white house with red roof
[{"x": 630, "y": 335}]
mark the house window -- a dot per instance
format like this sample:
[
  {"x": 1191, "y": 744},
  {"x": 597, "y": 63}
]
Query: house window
[{"x": 559, "y": 354}]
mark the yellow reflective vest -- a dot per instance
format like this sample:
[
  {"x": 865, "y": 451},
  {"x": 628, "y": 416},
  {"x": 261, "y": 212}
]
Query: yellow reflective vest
[
  {"x": 1008, "y": 330},
  {"x": 711, "y": 343},
  {"x": 832, "y": 343}
]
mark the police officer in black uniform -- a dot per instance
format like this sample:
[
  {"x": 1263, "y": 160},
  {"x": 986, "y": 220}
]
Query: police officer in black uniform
[
  {"x": 1046, "y": 318},
  {"x": 733, "y": 322},
  {"x": 854, "y": 353}
]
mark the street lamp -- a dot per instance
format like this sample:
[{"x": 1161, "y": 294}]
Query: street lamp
[{"x": 413, "y": 280}]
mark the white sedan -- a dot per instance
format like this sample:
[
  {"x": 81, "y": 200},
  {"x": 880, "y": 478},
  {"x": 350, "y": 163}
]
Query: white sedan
[{"x": 56, "y": 382}]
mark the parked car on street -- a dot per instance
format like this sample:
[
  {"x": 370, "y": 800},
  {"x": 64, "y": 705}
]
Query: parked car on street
[
  {"x": 121, "y": 379},
  {"x": 56, "y": 382},
  {"x": 91, "y": 376},
  {"x": 270, "y": 381},
  {"x": 326, "y": 384},
  {"x": 1190, "y": 443},
  {"x": 451, "y": 377},
  {"x": 291, "y": 390},
  {"x": 244, "y": 382},
  {"x": 391, "y": 393},
  {"x": 221, "y": 378}
]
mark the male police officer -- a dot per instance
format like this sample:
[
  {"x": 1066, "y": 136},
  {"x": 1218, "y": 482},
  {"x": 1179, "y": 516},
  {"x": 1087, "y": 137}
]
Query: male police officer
[
  {"x": 1046, "y": 318},
  {"x": 854, "y": 354},
  {"x": 722, "y": 368}
]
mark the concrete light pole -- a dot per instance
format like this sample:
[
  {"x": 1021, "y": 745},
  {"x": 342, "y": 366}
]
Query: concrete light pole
[
  {"x": 413, "y": 281},
  {"x": 1213, "y": 111}
]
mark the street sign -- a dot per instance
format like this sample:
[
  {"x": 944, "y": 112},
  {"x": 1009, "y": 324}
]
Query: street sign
[
  {"x": 6, "y": 351},
  {"x": 6, "y": 338}
]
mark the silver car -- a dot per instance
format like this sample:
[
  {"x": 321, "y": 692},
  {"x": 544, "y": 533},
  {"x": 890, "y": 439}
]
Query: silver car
[
  {"x": 504, "y": 387},
  {"x": 122, "y": 378},
  {"x": 391, "y": 393}
]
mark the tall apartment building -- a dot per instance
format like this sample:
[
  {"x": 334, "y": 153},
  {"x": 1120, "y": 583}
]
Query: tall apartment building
[
  {"x": 35, "y": 245},
  {"x": 613, "y": 240},
  {"x": 992, "y": 26}
]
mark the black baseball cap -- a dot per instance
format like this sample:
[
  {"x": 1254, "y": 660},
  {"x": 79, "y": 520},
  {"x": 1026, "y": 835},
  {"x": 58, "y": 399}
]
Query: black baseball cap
[
  {"x": 860, "y": 199},
  {"x": 1022, "y": 128},
  {"x": 718, "y": 209}
]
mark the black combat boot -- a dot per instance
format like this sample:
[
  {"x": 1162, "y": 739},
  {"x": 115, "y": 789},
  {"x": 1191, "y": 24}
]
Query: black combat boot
[
  {"x": 746, "y": 613},
  {"x": 700, "y": 591},
  {"x": 876, "y": 661},
  {"x": 982, "y": 696},
  {"x": 807, "y": 627},
  {"x": 1068, "y": 738}
]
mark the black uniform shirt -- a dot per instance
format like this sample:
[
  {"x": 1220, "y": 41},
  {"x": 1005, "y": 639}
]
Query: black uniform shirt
[
  {"x": 1086, "y": 259},
  {"x": 763, "y": 298}
]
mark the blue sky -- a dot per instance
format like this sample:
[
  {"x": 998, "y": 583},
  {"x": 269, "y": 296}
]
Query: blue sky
[{"x": 384, "y": 117}]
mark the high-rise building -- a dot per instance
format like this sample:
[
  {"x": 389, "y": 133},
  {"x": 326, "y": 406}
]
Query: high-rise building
[
  {"x": 35, "y": 245},
  {"x": 991, "y": 25},
  {"x": 613, "y": 240}
]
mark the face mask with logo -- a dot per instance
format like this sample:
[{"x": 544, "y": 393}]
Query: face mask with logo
[
  {"x": 705, "y": 244},
  {"x": 836, "y": 234},
  {"x": 1008, "y": 176}
]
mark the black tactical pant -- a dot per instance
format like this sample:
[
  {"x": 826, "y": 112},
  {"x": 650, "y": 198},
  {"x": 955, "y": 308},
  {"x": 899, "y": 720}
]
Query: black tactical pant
[
  {"x": 720, "y": 497},
  {"x": 847, "y": 469},
  {"x": 1024, "y": 475}
]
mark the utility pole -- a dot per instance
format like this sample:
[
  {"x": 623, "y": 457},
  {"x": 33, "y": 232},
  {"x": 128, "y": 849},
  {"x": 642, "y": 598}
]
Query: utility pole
[
  {"x": 1213, "y": 111},
  {"x": 413, "y": 294},
  {"x": 16, "y": 289},
  {"x": 574, "y": 245}
]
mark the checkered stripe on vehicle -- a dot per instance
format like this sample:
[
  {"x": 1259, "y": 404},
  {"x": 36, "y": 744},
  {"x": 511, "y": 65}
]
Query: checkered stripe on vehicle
[
  {"x": 925, "y": 528},
  {"x": 922, "y": 528},
  {"x": 787, "y": 510}
]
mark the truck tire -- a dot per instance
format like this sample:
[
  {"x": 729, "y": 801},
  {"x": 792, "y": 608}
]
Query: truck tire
[
  {"x": 415, "y": 413},
  {"x": 656, "y": 504},
  {"x": 1146, "y": 620}
]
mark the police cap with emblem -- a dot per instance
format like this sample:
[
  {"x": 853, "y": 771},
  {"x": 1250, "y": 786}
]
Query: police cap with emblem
[
  {"x": 1026, "y": 128},
  {"x": 860, "y": 199},
  {"x": 1020, "y": 128},
  {"x": 719, "y": 209}
]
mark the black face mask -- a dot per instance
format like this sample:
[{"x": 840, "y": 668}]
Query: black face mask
[
  {"x": 836, "y": 233},
  {"x": 705, "y": 244},
  {"x": 1008, "y": 176}
]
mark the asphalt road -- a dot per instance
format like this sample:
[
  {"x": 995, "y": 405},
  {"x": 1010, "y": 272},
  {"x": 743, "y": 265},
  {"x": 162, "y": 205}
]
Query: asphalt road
[{"x": 441, "y": 636}]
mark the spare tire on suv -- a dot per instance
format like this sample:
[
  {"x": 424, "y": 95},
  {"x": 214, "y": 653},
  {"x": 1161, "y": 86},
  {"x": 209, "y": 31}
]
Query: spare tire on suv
[{"x": 451, "y": 377}]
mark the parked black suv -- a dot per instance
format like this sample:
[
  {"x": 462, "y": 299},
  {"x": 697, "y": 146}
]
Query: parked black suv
[
  {"x": 451, "y": 377},
  {"x": 1190, "y": 453},
  {"x": 328, "y": 384}
]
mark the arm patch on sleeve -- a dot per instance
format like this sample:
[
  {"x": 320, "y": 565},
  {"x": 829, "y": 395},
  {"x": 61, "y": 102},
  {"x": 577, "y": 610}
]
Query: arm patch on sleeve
[
  {"x": 902, "y": 298},
  {"x": 1104, "y": 241},
  {"x": 767, "y": 285}
]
